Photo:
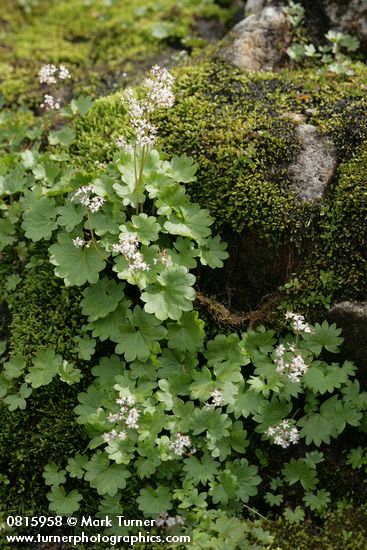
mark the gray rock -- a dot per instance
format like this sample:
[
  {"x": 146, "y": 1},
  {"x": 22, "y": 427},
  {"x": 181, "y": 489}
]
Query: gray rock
[
  {"x": 257, "y": 42},
  {"x": 349, "y": 16},
  {"x": 254, "y": 6},
  {"x": 351, "y": 317},
  {"x": 314, "y": 166}
]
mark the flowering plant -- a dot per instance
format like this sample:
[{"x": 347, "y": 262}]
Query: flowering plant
[{"x": 187, "y": 413}]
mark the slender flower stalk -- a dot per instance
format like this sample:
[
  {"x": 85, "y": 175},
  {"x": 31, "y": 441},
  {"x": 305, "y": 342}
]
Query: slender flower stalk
[{"x": 159, "y": 95}]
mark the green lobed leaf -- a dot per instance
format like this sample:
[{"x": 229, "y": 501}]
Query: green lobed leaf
[
  {"x": 302, "y": 471},
  {"x": 316, "y": 428},
  {"x": 322, "y": 378},
  {"x": 63, "y": 503},
  {"x": 184, "y": 253},
  {"x": 155, "y": 501},
  {"x": 65, "y": 136},
  {"x": 146, "y": 228},
  {"x": 324, "y": 336},
  {"x": 14, "y": 367},
  {"x": 213, "y": 253},
  {"x": 18, "y": 400},
  {"x": 187, "y": 334},
  {"x": 139, "y": 337},
  {"x": 182, "y": 169},
  {"x": 201, "y": 471},
  {"x": 225, "y": 488},
  {"x": 171, "y": 295},
  {"x": 46, "y": 365},
  {"x": 247, "y": 479},
  {"x": 85, "y": 347},
  {"x": 69, "y": 374},
  {"x": 76, "y": 265},
  {"x": 111, "y": 325},
  {"x": 190, "y": 220},
  {"x": 39, "y": 220},
  {"x": 101, "y": 298},
  {"x": 76, "y": 466},
  {"x": 70, "y": 216},
  {"x": 294, "y": 516},
  {"x": 318, "y": 501},
  {"x": 104, "y": 477},
  {"x": 53, "y": 475}
]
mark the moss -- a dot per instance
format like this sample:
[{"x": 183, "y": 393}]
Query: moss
[
  {"x": 42, "y": 313},
  {"x": 98, "y": 130},
  {"x": 240, "y": 129},
  {"x": 342, "y": 529},
  {"x": 98, "y": 42}
]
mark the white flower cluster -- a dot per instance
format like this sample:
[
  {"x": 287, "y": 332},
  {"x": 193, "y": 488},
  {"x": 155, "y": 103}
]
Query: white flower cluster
[
  {"x": 293, "y": 366},
  {"x": 50, "y": 103},
  {"x": 283, "y": 434},
  {"x": 127, "y": 414},
  {"x": 159, "y": 95},
  {"x": 179, "y": 444},
  {"x": 128, "y": 247},
  {"x": 165, "y": 520},
  {"x": 159, "y": 87},
  {"x": 216, "y": 398},
  {"x": 48, "y": 74},
  {"x": 93, "y": 204},
  {"x": 298, "y": 323}
]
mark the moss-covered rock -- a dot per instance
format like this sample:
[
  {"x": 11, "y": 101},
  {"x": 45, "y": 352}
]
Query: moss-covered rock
[{"x": 241, "y": 128}]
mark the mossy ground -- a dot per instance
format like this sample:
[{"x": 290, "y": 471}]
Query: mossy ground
[{"x": 99, "y": 41}]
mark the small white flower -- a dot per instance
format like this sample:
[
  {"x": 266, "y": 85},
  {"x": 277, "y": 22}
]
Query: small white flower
[
  {"x": 217, "y": 399},
  {"x": 130, "y": 400},
  {"x": 78, "y": 242},
  {"x": 165, "y": 258},
  {"x": 109, "y": 436},
  {"x": 64, "y": 73},
  {"x": 292, "y": 366},
  {"x": 95, "y": 204},
  {"x": 131, "y": 420},
  {"x": 122, "y": 436},
  {"x": 114, "y": 417},
  {"x": 50, "y": 103},
  {"x": 123, "y": 144},
  {"x": 138, "y": 264},
  {"x": 159, "y": 95},
  {"x": 279, "y": 351}
]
